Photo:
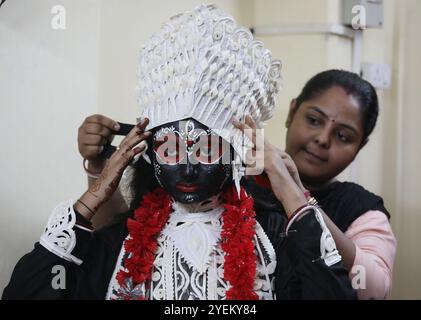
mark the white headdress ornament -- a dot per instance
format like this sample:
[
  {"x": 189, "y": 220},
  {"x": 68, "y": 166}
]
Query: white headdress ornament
[{"x": 202, "y": 66}]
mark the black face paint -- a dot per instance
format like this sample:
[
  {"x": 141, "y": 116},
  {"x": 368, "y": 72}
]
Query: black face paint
[{"x": 190, "y": 161}]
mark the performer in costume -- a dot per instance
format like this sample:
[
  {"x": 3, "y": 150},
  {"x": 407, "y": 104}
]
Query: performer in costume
[{"x": 192, "y": 231}]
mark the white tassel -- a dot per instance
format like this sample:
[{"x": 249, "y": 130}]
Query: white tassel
[{"x": 238, "y": 171}]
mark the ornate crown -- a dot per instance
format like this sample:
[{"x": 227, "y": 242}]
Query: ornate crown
[{"x": 201, "y": 65}]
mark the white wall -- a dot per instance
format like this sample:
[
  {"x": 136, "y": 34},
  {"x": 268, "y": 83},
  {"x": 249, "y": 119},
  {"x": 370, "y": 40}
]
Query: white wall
[
  {"x": 404, "y": 184},
  {"x": 48, "y": 84}
]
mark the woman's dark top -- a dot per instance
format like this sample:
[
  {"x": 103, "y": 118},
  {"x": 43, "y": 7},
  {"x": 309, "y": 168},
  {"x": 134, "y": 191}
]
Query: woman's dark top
[{"x": 343, "y": 203}]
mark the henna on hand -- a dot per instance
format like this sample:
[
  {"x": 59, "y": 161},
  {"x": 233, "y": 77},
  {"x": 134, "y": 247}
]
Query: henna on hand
[{"x": 104, "y": 187}]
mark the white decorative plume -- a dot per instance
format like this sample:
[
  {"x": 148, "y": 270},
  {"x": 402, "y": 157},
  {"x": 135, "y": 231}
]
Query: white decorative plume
[{"x": 201, "y": 65}]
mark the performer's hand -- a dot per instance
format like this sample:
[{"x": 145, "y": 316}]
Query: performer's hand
[
  {"x": 104, "y": 187},
  {"x": 93, "y": 134},
  {"x": 278, "y": 165}
]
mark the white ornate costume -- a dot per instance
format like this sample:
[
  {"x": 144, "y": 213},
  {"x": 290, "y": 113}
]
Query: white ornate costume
[{"x": 189, "y": 263}]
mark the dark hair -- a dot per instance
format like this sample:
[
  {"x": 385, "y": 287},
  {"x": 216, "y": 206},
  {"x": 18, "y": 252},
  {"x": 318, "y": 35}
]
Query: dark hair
[{"x": 353, "y": 84}]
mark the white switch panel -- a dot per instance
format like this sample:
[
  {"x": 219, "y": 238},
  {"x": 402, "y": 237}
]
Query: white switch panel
[{"x": 378, "y": 74}]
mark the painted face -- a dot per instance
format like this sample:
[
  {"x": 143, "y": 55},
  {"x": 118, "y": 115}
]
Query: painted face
[
  {"x": 190, "y": 161},
  {"x": 324, "y": 135}
]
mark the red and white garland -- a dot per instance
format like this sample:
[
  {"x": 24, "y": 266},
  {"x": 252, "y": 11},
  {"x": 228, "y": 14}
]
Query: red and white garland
[{"x": 236, "y": 241}]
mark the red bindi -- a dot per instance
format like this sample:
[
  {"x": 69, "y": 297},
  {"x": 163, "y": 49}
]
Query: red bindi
[{"x": 190, "y": 143}]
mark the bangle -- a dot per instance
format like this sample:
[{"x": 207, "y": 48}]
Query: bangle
[
  {"x": 311, "y": 204},
  {"x": 90, "y": 174},
  {"x": 93, "y": 213},
  {"x": 297, "y": 213},
  {"x": 312, "y": 201}
]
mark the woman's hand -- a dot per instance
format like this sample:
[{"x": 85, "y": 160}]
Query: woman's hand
[
  {"x": 95, "y": 132},
  {"x": 104, "y": 187},
  {"x": 278, "y": 166}
]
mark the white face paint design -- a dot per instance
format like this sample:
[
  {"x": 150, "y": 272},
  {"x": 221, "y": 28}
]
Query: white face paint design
[
  {"x": 191, "y": 142},
  {"x": 187, "y": 164}
]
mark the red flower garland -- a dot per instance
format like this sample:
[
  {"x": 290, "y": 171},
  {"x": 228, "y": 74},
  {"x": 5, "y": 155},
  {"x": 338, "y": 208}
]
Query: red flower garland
[
  {"x": 236, "y": 241},
  {"x": 150, "y": 219}
]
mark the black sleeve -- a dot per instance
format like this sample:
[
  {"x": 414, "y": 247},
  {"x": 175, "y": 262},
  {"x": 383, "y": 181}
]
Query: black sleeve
[
  {"x": 39, "y": 274},
  {"x": 301, "y": 273}
]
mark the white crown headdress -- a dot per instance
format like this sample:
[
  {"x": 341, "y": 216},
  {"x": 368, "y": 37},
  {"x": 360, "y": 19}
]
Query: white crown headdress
[{"x": 201, "y": 65}]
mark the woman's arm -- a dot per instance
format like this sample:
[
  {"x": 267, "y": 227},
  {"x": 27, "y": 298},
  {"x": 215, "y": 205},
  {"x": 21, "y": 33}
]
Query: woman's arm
[
  {"x": 345, "y": 246},
  {"x": 375, "y": 254},
  {"x": 104, "y": 187},
  {"x": 93, "y": 134},
  {"x": 368, "y": 251},
  {"x": 65, "y": 241},
  {"x": 109, "y": 210},
  {"x": 42, "y": 274},
  {"x": 311, "y": 264}
]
